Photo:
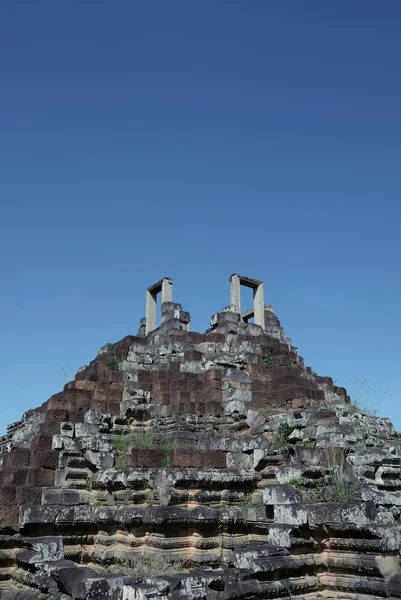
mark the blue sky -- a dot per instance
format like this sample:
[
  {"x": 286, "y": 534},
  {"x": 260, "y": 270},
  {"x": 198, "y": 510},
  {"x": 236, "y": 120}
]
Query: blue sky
[{"x": 192, "y": 140}]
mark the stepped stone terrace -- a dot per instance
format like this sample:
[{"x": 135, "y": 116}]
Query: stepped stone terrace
[{"x": 200, "y": 466}]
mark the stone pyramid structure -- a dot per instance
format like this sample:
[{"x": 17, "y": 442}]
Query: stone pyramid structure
[{"x": 200, "y": 466}]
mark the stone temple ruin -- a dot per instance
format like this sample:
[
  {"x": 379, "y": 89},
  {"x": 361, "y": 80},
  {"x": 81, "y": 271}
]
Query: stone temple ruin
[{"x": 200, "y": 466}]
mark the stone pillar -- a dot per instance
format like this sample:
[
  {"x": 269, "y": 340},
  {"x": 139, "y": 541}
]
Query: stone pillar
[
  {"x": 258, "y": 311},
  {"x": 235, "y": 293},
  {"x": 167, "y": 290},
  {"x": 165, "y": 286},
  {"x": 259, "y": 305}
]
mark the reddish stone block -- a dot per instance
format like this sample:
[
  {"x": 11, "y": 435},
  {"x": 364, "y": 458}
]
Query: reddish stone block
[
  {"x": 160, "y": 387},
  {"x": 18, "y": 457},
  {"x": 55, "y": 401},
  {"x": 50, "y": 428},
  {"x": 101, "y": 392},
  {"x": 165, "y": 399},
  {"x": 213, "y": 408},
  {"x": 212, "y": 375},
  {"x": 56, "y": 415},
  {"x": 7, "y": 494},
  {"x": 15, "y": 476},
  {"x": 158, "y": 376},
  {"x": 194, "y": 384},
  {"x": 287, "y": 394},
  {"x": 215, "y": 459},
  {"x": 84, "y": 384},
  {"x": 175, "y": 367},
  {"x": 40, "y": 477},
  {"x": 41, "y": 441},
  {"x": 186, "y": 458},
  {"x": 191, "y": 355},
  {"x": 97, "y": 404},
  {"x": 201, "y": 409},
  {"x": 298, "y": 402},
  {"x": 79, "y": 397},
  {"x": 147, "y": 457},
  {"x": 145, "y": 378},
  {"x": 260, "y": 400},
  {"x": 115, "y": 376},
  {"x": 113, "y": 408},
  {"x": 48, "y": 459},
  {"x": 197, "y": 396},
  {"x": 260, "y": 385},
  {"x": 215, "y": 396},
  {"x": 28, "y": 494},
  {"x": 115, "y": 396},
  {"x": 181, "y": 397},
  {"x": 9, "y": 514},
  {"x": 176, "y": 386},
  {"x": 256, "y": 369}
]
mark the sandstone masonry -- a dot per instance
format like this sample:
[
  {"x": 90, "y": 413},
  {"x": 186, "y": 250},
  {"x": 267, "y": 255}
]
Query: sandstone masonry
[{"x": 207, "y": 466}]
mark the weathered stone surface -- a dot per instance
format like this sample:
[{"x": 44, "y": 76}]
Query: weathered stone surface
[{"x": 188, "y": 466}]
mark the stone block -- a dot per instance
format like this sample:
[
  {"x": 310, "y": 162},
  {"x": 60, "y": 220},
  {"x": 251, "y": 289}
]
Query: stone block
[
  {"x": 349, "y": 514},
  {"x": 185, "y": 317},
  {"x": 280, "y": 535},
  {"x": 9, "y": 514},
  {"x": 147, "y": 457},
  {"x": 18, "y": 457},
  {"x": 113, "y": 408},
  {"x": 40, "y": 550},
  {"x": 67, "y": 429},
  {"x": 170, "y": 325},
  {"x": 281, "y": 494},
  {"x": 56, "y": 415},
  {"x": 42, "y": 441},
  {"x": 40, "y": 477},
  {"x": 192, "y": 355},
  {"x": 86, "y": 430},
  {"x": 47, "y": 459},
  {"x": 7, "y": 494},
  {"x": 15, "y": 476},
  {"x": 215, "y": 459},
  {"x": 28, "y": 493},
  {"x": 102, "y": 460},
  {"x": 290, "y": 514},
  {"x": 186, "y": 458},
  {"x": 58, "y": 496}
]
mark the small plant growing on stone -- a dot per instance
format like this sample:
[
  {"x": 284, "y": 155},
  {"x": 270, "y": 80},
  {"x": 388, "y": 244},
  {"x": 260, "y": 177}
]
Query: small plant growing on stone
[
  {"x": 248, "y": 501},
  {"x": 146, "y": 566},
  {"x": 110, "y": 346},
  {"x": 164, "y": 461},
  {"x": 298, "y": 483},
  {"x": 268, "y": 358},
  {"x": 307, "y": 443},
  {"x": 147, "y": 439},
  {"x": 312, "y": 488},
  {"x": 365, "y": 401},
  {"x": 113, "y": 363},
  {"x": 65, "y": 374},
  {"x": 341, "y": 487},
  {"x": 121, "y": 443},
  {"x": 121, "y": 462},
  {"x": 281, "y": 436}
]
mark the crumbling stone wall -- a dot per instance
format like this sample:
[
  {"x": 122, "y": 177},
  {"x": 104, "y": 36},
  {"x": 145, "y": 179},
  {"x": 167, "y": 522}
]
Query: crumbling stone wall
[
  {"x": 189, "y": 465},
  {"x": 28, "y": 460}
]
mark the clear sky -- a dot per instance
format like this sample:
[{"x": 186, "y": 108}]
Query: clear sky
[{"x": 193, "y": 140}]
